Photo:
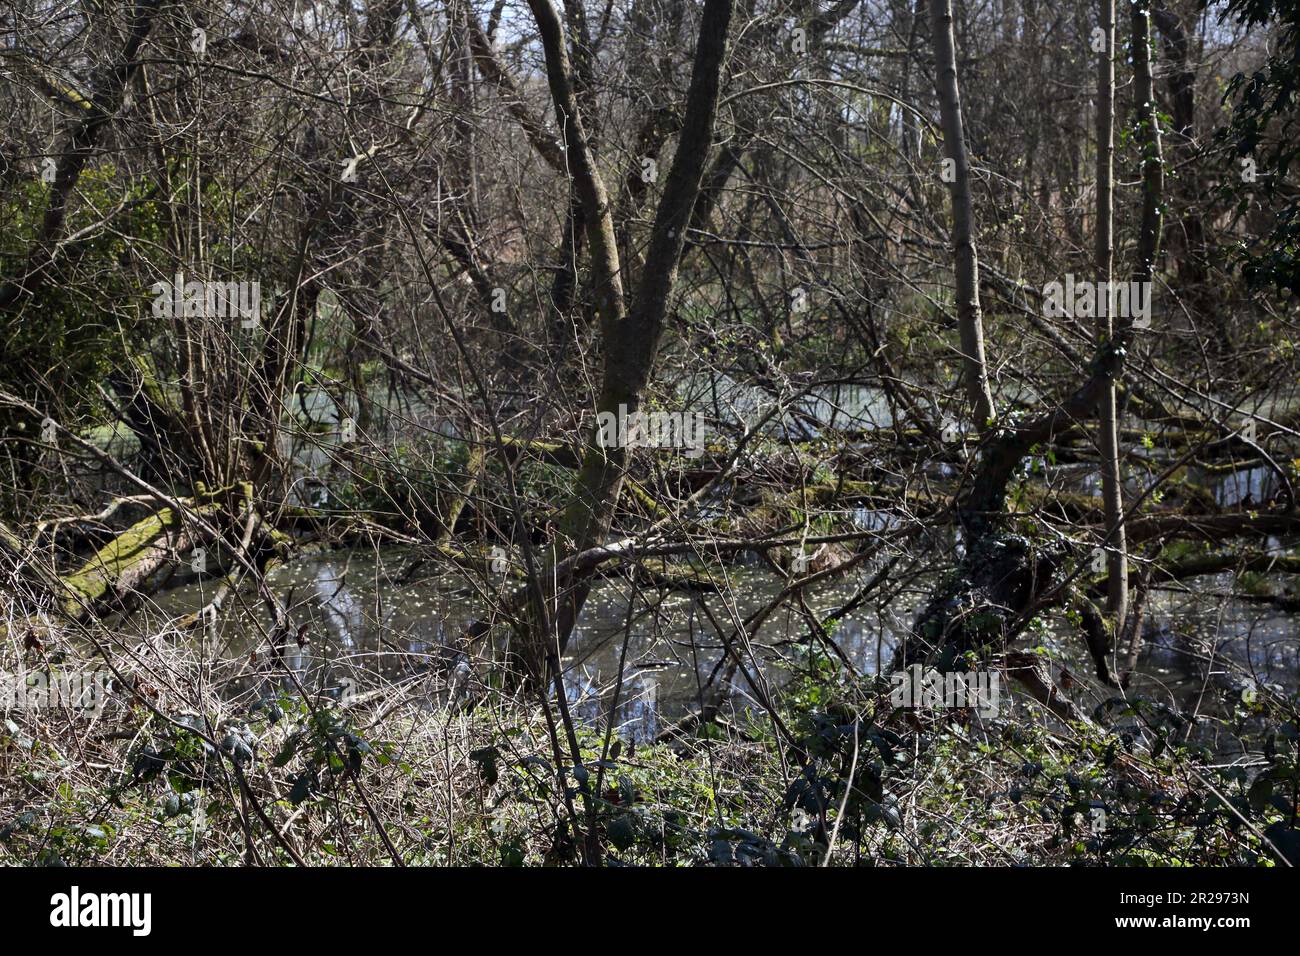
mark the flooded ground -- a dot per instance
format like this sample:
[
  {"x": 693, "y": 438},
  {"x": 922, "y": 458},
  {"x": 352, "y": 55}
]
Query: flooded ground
[
  {"x": 362, "y": 622},
  {"x": 366, "y": 620},
  {"x": 364, "y": 626}
]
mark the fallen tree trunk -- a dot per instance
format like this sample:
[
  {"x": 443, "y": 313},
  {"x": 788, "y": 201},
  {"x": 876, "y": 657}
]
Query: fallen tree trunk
[
  {"x": 1211, "y": 527},
  {"x": 125, "y": 565}
]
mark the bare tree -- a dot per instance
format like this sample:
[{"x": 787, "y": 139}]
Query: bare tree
[
  {"x": 969, "y": 317},
  {"x": 1112, "y": 481}
]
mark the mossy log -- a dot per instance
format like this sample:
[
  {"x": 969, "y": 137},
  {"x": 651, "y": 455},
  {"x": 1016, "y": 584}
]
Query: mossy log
[
  {"x": 125, "y": 564},
  {"x": 473, "y": 471},
  {"x": 1211, "y": 562},
  {"x": 676, "y": 577}
]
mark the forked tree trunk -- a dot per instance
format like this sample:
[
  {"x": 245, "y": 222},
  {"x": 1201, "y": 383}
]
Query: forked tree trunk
[
  {"x": 630, "y": 337},
  {"x": 1004, "y": 578}
]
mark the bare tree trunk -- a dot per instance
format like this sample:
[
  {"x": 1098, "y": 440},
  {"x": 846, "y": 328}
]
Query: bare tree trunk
[
  {"x": 1148, "y": 134},
  {"x": 581, "y": 166},
  {"x": 969, "y": 319},
  {"x": 1112, "y": 491},
  {"x": 1151, "y": 223}
]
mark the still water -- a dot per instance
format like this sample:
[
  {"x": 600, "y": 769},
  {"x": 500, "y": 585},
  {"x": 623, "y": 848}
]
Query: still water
[
  {"x": 365, "y": 625},
  {"x": 367, "y": 621}
]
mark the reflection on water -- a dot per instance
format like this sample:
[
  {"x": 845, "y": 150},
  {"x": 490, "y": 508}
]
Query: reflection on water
[
  {"x": 1244, "y": 488},
  {"x": 357, "y": 617},
  {"x": 358, "y": 620}
]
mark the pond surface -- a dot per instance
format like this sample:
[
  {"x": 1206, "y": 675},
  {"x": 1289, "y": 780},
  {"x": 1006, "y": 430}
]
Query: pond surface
[
  {"x": 365, "y": 626},
  {"x": 366, "y": 622}
]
